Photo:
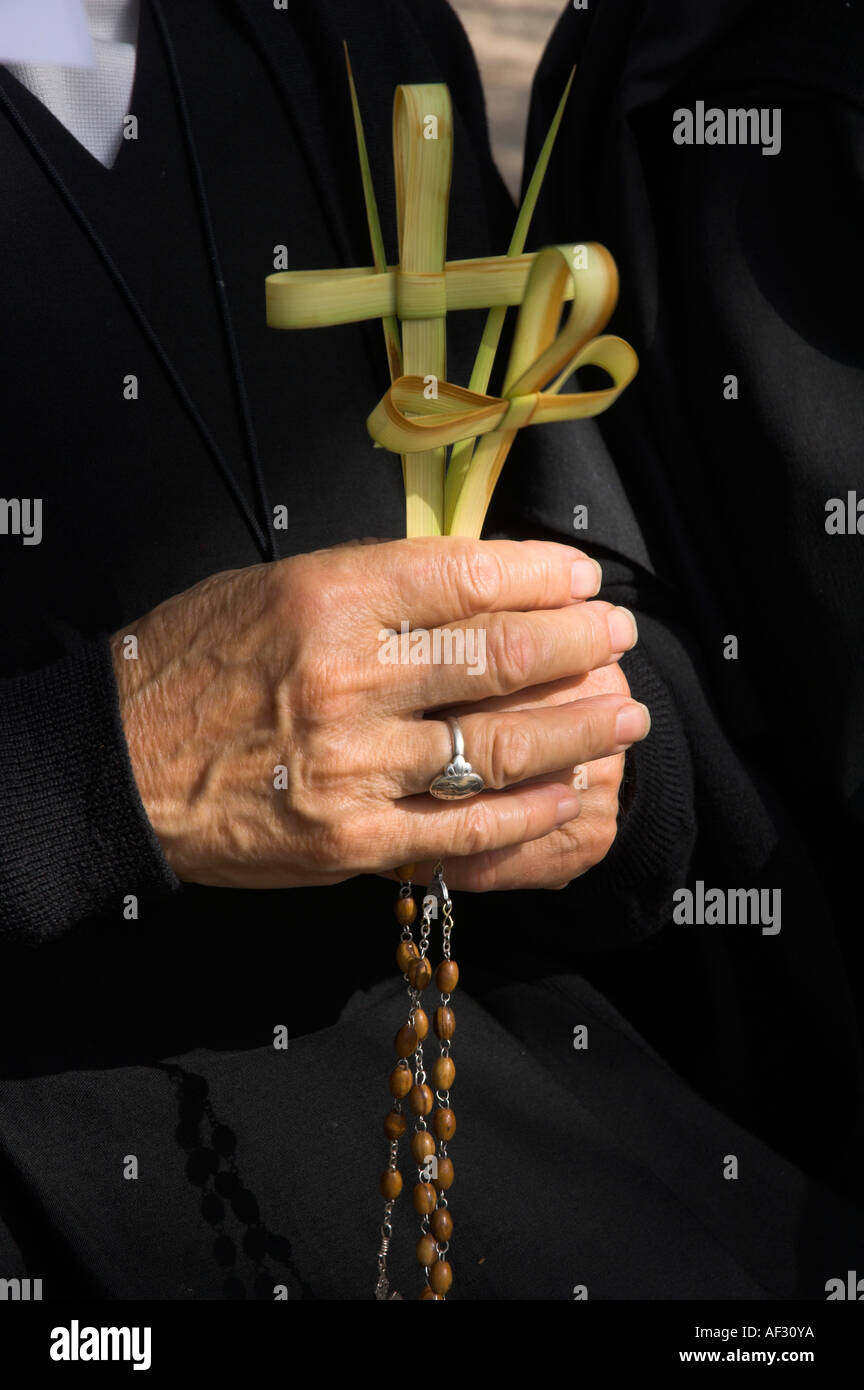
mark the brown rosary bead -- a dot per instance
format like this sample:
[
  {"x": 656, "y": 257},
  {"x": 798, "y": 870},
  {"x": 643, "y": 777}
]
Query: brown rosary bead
[
  {"x": 444, "y": 1123},
  {"x": 401, "y": 1081},
  {"x": 422, "y": 1145},
  {"x": 406, "y": 1041},
  {"x": 427, "y": 1251},
  {"x": 440, "y": 1277},
  {"x": 443, "y": 1073},
  {"x": 419, "y": 973},
  {"x": 424, "y": 1198},
  {"x": 421, "y": 1100},
  {"x": 395, "y": 1125},
  {"x": 430, "y": 1295},
  {"x": 406, "y": 911},
  {"x": 406, "y": 951},
  {"x": 441, "y": 1225},
  {"x": 447, "y": 976},
  {"x": 406, "y": 872},
  {"x": 420, "y": 1020},
  {"x": 444, "y": 1022},
  {"x": 445, "y": 1174},
  {"x": 391, "y": 1184}
]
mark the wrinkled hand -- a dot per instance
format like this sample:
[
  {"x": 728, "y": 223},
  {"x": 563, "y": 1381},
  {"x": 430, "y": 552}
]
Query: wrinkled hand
[
  {"x": 553, "y": 860},
  {"x": 273, "y": 748}
]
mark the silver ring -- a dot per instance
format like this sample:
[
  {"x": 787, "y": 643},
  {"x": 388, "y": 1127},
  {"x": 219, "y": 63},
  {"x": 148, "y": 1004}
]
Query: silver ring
[{"x": 458, "y": 779}]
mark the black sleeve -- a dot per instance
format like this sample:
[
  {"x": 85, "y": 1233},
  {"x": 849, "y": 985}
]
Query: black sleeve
[
  {"x": 551, "y": 470},
  {"x": 74, "y": 836}
]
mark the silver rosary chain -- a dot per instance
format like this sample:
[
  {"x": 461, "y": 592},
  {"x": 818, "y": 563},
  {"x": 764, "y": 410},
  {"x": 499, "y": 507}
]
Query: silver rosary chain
[{"x": 438, "y": 893}]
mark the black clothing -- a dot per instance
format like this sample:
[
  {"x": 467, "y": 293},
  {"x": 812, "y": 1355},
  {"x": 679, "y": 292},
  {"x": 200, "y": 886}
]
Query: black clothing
[
  {"x": 592, "y": 1168},
  {"x": 743, "y": 264}
]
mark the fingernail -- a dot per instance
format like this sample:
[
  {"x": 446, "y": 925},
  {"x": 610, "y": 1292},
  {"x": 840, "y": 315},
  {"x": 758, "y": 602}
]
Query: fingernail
[
  {"x": 622, "y": 629},
  {"x": 568, "y": 809},
  {"x": 632, "y": 724},
  {"x": 586, "y": 577}
]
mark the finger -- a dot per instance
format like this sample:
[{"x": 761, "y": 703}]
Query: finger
[
  {"x": 421, "y": 828},
  {"x": 547, "y": 693},
  {"x": 552, "y": 861},
  {"x": 506, "y": 749},
  {"x": 430, "y": 580},
  {"x": 603, "y": 680},
  {"x": 595, "y": 780},
  {"x": 503, "y": 653},
  {"x": 515, "y": 867}
]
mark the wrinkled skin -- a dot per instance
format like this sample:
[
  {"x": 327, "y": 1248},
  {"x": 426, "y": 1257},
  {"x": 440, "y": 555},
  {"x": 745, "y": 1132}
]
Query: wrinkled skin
[{"x": 273, "y": 748}]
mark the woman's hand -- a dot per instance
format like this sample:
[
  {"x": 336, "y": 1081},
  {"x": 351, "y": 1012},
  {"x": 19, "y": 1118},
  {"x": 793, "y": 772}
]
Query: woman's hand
[
  {"x": 572, "y": 849},
  {"x": 273, "y": 747}
]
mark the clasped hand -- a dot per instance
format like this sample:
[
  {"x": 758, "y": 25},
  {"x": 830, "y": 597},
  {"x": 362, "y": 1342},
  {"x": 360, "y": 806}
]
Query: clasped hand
[{"x": 274, "y": 748}]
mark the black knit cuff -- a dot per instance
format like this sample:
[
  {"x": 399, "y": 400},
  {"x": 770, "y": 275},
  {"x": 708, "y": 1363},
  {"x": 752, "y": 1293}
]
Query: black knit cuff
[
  {"x": 74, "y": 836},
  {"x": 628, "y": 896}
]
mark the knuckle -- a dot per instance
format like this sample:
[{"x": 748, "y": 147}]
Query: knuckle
[
  {"x": 475, "y": 832},
  {"x": 335, "y": 841},
  {"x": 484, "y": 873},
  {"x": 603, "y": 838},
  {"x": 564, "y": 858},
  {"x": 290, "y": 581},
  {"x": 305, "y": 590},
  {"x": 333, "y": 845},
  {"x": 511, "y": 652},
  {"x": 312, "y": 691},
  {"x": 511, "y": 753},
  {"x": 478, "y": 572}
]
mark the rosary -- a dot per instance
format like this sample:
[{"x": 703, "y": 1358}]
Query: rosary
[{"x": 408, "y": 1085}]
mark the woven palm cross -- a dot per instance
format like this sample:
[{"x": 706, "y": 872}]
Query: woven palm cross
[{"x": 422, "y": 413}]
